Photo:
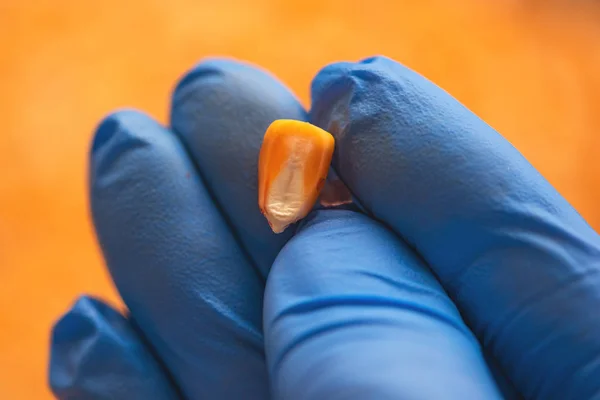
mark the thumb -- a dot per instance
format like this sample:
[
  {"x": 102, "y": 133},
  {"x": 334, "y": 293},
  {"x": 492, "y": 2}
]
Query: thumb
[{"x": 351, "y": 312}]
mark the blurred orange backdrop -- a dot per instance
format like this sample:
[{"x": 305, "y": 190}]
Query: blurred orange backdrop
[{"x": 530, "y": 68}]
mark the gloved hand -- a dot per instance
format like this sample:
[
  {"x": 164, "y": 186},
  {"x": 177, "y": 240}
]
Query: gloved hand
[{"x": 465, "y": 275}]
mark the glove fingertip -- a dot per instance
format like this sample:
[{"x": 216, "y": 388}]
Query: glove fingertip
[{"x": 95, "y": 354}]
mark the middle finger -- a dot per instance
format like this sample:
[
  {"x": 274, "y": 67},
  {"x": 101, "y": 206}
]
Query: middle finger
[{"x": 221, "y": 110}]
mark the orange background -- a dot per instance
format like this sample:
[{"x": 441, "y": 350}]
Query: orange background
[{"x": 530, "y": 68}]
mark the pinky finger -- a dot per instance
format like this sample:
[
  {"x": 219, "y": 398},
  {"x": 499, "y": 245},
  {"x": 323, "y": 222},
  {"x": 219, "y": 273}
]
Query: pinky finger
[{"x": 96, "y": 354}]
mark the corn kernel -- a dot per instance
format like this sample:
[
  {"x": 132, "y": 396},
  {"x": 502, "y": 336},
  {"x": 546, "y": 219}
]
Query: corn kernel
[
  {"x": 292, "y": 168},
  {"x": 335, "y": 193}
]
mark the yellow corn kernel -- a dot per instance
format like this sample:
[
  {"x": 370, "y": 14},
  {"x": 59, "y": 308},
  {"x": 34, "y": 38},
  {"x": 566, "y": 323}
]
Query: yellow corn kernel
[{"x": 292, "y": 168}]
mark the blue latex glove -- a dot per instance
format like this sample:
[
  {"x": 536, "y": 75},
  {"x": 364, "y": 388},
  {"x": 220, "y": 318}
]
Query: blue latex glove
[{"x": 466, "y": 275}]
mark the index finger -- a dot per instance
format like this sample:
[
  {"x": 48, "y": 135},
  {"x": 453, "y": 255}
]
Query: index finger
[{"x": 519, "y": 261}]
